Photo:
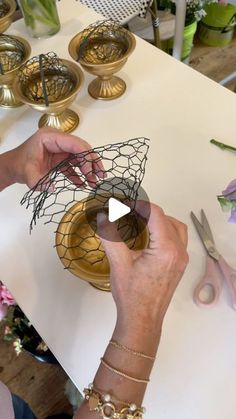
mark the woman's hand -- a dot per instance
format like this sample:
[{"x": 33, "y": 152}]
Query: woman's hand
[
  {"x": 33, "y": 159},
  {"x": 143, "y": 282}
]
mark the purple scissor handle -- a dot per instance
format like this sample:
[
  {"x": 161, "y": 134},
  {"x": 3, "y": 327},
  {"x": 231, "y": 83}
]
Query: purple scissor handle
[
  {"x": 208, "y": 290},
  {"x": 229, "y": 275},
  {"x": 216, "y": 267}
]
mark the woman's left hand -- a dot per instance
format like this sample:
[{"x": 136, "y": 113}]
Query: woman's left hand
[{"x": 44, "y": 150}]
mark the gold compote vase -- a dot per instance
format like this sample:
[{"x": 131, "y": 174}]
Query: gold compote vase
[
  {"x": 14, "y": 51},
  {"x": 50, "y": 84},
  {"x": 7, "y": 10},
  {"x": 102, "y": 49}
]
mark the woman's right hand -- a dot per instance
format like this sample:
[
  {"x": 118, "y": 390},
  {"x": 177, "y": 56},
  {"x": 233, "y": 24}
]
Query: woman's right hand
[
  {"x": 143, "y": 282},
  {"x": 142, "y": 285}
]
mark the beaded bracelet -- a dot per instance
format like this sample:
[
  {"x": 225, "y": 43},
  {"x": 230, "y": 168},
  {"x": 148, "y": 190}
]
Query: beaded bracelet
[
  {"x": 103, "y": 404},
  {"x": 122, "y": 374}
]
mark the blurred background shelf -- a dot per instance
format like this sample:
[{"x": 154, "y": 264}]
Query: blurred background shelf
[{"x": 214, "y": 62}]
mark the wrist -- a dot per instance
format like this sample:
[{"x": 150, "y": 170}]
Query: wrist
[
  {"x": 7, "y": 169},
  {"x": 143, "y": 336},
  {"x": 144, "y": 318}
]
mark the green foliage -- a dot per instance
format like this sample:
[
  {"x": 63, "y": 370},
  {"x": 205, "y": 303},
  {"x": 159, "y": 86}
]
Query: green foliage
[
  {"x": 195, "y": 10},
  {"x": 43, "y": 11},
  {"x": 224, "y": 203}
]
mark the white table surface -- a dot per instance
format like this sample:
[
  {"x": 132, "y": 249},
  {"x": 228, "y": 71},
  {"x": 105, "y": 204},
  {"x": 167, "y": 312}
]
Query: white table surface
[{"x": 180, "y": 111}]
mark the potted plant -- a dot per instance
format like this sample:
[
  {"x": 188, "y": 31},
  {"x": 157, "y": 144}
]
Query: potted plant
[
  {"x": 19, "y": 330},
  {"x": 195, "y": 11},
  {"x": 217, "y": 26}
]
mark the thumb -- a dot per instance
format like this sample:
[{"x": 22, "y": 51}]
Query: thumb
[{"x": 116, "y": 250}]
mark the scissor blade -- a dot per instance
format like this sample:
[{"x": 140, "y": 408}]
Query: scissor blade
[
  {"x": 206, "y": 226},
  {"x": 206, "y": 240}
]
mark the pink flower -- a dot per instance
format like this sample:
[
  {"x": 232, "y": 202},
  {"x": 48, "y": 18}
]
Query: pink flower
[
  {"x": 5, "y": 296},
  {"x": 3, "y": 310}
]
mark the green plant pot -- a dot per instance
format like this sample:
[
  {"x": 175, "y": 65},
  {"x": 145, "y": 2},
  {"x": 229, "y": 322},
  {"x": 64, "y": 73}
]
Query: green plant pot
[
  {"x": 217, "y": 27},
  {"x": 189, "y": 32}
]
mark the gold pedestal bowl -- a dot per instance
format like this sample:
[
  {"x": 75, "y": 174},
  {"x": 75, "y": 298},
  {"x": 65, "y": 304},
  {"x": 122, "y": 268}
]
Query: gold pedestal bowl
[
  {"x": 80, "y": 248},
  {"x": 51, "y": 88},
  {"x": 14, "y": 51},
  {"x": 102, "y": 49},
  {"x": 7, "y": 9}
]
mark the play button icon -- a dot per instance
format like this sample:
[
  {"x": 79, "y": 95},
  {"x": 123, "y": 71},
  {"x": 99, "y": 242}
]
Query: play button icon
[
  {"x": 116, "y": 210},
  {"x": 116, "y": 197}
]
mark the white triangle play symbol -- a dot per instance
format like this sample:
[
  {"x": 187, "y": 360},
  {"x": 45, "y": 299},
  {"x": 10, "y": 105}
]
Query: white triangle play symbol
[{"x": 116, "y": 209}]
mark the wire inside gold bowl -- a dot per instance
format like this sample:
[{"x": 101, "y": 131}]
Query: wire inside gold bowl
[
  {"x": 4, "y": 9},
  {"x": 58, "y": 87},
  {"x": 80, "y": 248},
  {"x": 105, "y": 50},
  {"x": 102, "y": 44},
  {"x": 7, "y": 9},
  {"x": 13, "y": 51}
]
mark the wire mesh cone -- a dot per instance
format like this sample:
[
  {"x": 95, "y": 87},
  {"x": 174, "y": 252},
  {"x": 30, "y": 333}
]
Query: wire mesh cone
[
  {"x": 7, "y": 9},
  {"x": 102, "y": 49},
  {"x": 59, "y": 199},
  {"x": 14, "y": 51},
  {"x": 50, "y": 85}
]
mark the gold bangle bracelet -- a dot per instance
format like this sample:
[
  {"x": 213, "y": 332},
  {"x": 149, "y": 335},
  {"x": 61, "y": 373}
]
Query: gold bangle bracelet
[
  {"x": 122, "y": 374},
  {"x": 131, "y": 351}
]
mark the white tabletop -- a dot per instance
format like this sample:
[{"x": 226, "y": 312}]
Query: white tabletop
[{"x": 180, "y": 111}]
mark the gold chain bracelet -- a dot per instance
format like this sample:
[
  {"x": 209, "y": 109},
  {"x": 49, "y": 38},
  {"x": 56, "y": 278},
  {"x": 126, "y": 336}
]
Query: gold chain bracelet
[
  {"x": 103, "y": 404},
  {"x": 131, "y": 351}
]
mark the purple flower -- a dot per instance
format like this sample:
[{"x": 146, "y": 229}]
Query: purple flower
[
  {"x": 232, "y": 218},
  {"x": 230, "y": 192},
  {"x": 228, "y": 200}
]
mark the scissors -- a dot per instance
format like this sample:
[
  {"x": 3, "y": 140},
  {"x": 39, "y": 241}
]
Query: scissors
[{"x": 216, "y": 268}]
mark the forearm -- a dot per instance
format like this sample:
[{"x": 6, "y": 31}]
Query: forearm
[
  {"x": 144, "y": 340},
  {"x": 7, "y": 164}
]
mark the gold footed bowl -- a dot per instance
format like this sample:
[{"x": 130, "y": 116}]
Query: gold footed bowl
[
  {"x": 51, "y": 93},
  {"x": 7, "y": 9},
  {"x": 14, "y": 51},
  {"x": 67, "y": 121},
  {"x": 103, "y": 50},
  {"x": 80, "y": 248}
]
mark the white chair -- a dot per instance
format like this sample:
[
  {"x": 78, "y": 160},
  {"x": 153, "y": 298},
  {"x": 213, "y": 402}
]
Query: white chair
[
  {"x": 124, "y": 10},
  {"x": 120, "y": 10}
]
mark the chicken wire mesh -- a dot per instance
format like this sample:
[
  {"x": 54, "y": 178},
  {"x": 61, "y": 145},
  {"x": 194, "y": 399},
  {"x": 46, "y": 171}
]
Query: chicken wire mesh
[
  {"x": 12, "y": 53},
  {"x": 4, "y": 8},
  {"x": 69, "y": 191},
  {"x": 103, "y": 42},
  {"x": 46, "y": 79}
]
